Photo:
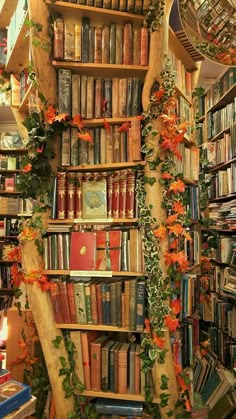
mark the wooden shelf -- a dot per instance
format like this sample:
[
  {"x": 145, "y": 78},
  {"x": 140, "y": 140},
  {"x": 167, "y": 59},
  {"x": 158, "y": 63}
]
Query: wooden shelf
[
  {"x": 9, "y": 193},
  {"x": 7, "y": 291},
  {"x": 100, "y": 121},
  {"x": 95, "y": 221},
  {"x": 7, "y": 8},
  {"x": 101, "y": 327},
  {"x": 11, "y": 171},
  {"x": 12, "y": 150},
  {"x": 201, "y": 118},
  {"x": 108, "y": 274},
  {"x": 118, "y": 396},
  {"x": 222, "y": 165},
  {"x": 24, "y": 106},
  {"x": 19, "y": 55},
  {"x": 189, "y": 181},
  {"x": 105, "y": 166},
  {"x": 220, "y": 134},
  {"x": 9, "y": 237},
  {"x": 7, "y": 261},
  {"x": 225, "y": 99},
  {"x": 223, "y": 198},
  {"x": 70, "y": 12},
  {"x": 103, "y": 70},
  {"x": 180, "y": 93}
]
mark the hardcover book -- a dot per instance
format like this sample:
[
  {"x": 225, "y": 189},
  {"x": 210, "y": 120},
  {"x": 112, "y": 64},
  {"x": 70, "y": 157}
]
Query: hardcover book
[
  {"x": 64, "y": 91},
  {"x": 12, "y": 395},
  {"x": 82, "y": 253},
  {"x": 58, "y": 41},
  {"x": 75, "y": 337},
  {"x": 94, "y": 199},
  {"x": 108, "y": 250},
  {"x": 69, "y": 41},
  {"x": 96, "y": 364}
]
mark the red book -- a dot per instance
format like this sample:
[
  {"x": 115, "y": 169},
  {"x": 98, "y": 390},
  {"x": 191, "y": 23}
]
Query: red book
[
  {"x": 70, "y": 195},
  {"x": 82, "y": 251},
  {"x": 115, "y": 195},
  {"x": 86, "y": 339},
  {"x": 144, "y": 46},
  {"x": 71, "y": 299},
  {"x": 61, "y": 195},
  {"x": 109, "y": 194},
  {"x": 56, "y": 303},
  {"x": 99, "y": 302},
  {"x": 5, "y": 376},
  {"x": 130, "y": 202},
  {"x": 64, "y": 302},
  {"x": 78, "y": 195},
  {"x": 96, "y": 362},
  {"x": 128, "y": 44},
  {"x": 122, "y": 193},
  {"x": 122, "y": 368},
  {"x": 58, "y": 43},
  {"x": 108, "y": 245}
]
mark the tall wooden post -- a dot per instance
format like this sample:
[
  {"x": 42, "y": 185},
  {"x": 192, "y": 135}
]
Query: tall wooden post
[{"x": 158, "y": 52}]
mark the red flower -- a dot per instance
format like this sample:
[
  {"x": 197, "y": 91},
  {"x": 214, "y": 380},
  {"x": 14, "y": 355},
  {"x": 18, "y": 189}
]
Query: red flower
[
  {"x": 160, "y": 342},
  {"x": 77, "y": 121},
  {"x": 158, "y": 95},
  {"x": 27, "y": 168},
  {"x": 50, "y": 114}
]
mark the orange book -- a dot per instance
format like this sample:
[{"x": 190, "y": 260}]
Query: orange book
[
  {"x": 86, "y": 338},
  {"x": 99, "y": 302},
  {"x": 144, "y": 46},
  {"x": 71, "y": 300},
  {"x": 93, "y": 299},
  {"x": 96, "y": 362},
  {"x": 65, "y": 302},
  {"x": 126, "y": 303},
  {"x": 122, "y": 368},
  {"x": 137, "y": 370},
  {"x": 135, "y": 140}
]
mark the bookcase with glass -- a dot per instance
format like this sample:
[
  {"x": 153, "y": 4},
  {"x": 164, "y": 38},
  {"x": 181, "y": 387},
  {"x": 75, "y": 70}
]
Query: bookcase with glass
[{"x": 214, "y": 374}]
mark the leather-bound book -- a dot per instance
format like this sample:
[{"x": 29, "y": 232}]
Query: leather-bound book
[
  {"x": 127, "y": 298},
  {"x": 78, "y": 43},
  {"x": 123, "y": 5},
  {"x": 116, "y": 195},
  {"x": 132, "y": 304},
  {"x": 130, "y": 6},
  {"x": 132, "y": 368},
  {"x": 87, "y": 292},
  {"x": 108, "y": 244},
  {"x": 116, "y": 144},
  {"x": 74, "y": 147},
  {"x": 122, "y": 193},
  {"x": 71, "y": 300},
  {"x": 58, "y": 40},
  {"x": 80, "y": 304},
  {"x": 140, "y": 305},
  {"x": 114, "y": 348},
  {"x": 109, "y": 146},
  {"x": 138, "y": 7},
  {"x": 113, "y": 43},
  {"x": 91, "y": 147},
  {"x": 65, "y": 147},
  {"x": 98, "y": 98},
  {"x": 94, "y": 306},
  {"x": 90, "y": 98},
  {"x": 78, "y": 194},
  {"x": 123, "y": 146},
  {"x": 91, "y": 41},
  {"x": 82, "y": 151},
  {"x": 129, "y": 97},
  {"x": 135, "y": 250},
  {"x": 61, "y": 195},
  {"x": 106, "y": 4},
  {"x": 82, "y": 250},
  {"x": 75, "y": 94},
  {"x": 105, "y": 365},
  {"x": 87, "y": 337},
  {"x": 85, "y": 39},
  {"x": 130, "y": 194},
  {"x": 115, "y": 97},
  {"x": 123, "y": 368},
  {"x": 116, "y": 368},
  {"x": 119, "y": 285},
  {"x": 136, "y": 45},
  {"x": 96, "y": 362},
  {"x": 119, "y": 44},
  {"x": 108, "y": 98},
  {"x": 145, "y": 6},
  {"x": 83, "y": 102},
  {"x": 106, "y": 44},
  {"x": 136, "y": 139},
  {"x": 64, "y": 302},
  {"x": 69, "y": 41},
  {"x": 75, "y": 337},
  {"x": 60, "y": 251},
  {"x": 66, "y": 250},
  {"x": 90, "y": 3},
  {"x": 128, "y": 44},
  {"x": 70, "y": 195},
  {"x": 109, "y": 194},
  {"x": 136, "y": 108},
  {"x": 125, "y": 251},
  {"x": 115, "y": 4},
  {"x": 56, "y": 304},
  {"x": 122, "y": 98},
  {"x": 96, "y": 142},
  {"x": 113, "y": 303},
  {"x": 64, "y": 91},
  {"x": 98, "y": 45},
  {"x": 98, "y": 3},
  {"x": 137, "y": 370},
  {"x": 144, "y": 46},
  {"x": 54, "y": 199},
  {"x": 99, "y": 302}
]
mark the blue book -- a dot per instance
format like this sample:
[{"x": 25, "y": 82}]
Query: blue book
[
  {"x": 115, "y": 407},
  {"x": 12, "y": 396}
]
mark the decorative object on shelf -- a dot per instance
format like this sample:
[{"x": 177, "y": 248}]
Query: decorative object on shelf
[{"x": 211, "y": 27}]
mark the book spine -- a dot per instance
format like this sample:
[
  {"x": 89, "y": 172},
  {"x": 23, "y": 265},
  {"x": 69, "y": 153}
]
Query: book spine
[
  {"x": 122, "y": 371},
  {"x": 65, "y": 302},
  {"x": 137, "y": 371},
  {"x": 123, "y": 5},
  {"x": 91, "y": 43},
  {"x": 119, "y": 44},
  {"x": 130, "y": 6},
  {"x": 58, "y": 43},
  {"x": 107, "y": 304},
  {"x": 96, "y": 366},
  {"x": 78, "y": 194},
  {"x": 71, "y": 300},
  {"x": 54, "y": 199},
  {"x": 108, "y": 97},
  {"x": 83, "y": 103},
  {"x": 98, "y": 45},
  {"x": 97, "y": 145},
  {"x": 98, "y": 98},
  {"x": 86, "y": 359},
  {"x": 130, "y": 194},
  {"x": 103, "y": 148},
  {"x": 64, "y": 91},
  {"x": 129, "y": 96},
  {"x": 109, "y": 194},
  {"x": 99, "y": 303},
  {"x": 136, "y": 46},
  {"x": 132, "y": 305},
  {"x": 56, "y": 304},
  {"x": 113, "y": 303},
  {"x": 85, "y": 39},
  {"x": 109, "y": 146},
  {"x": 69, "y": 41},
  {"x": 61, "y": 195},
  {"x": 90, "y": 97},
  {"x": 115, "y": 195},
  {"x": 140, "y": 306},
  {"x": 115, "y": 97},
  {"x": 66, "y": 250},
  {"x": 119, "y": 304},
  {"x": 128, "y": 44},
  {"x": 127, "y": 299},
  {"x": 103, "y": 298},
  {"x": 75, "y": 337},
  {"x": 106, "y": 44},
  {"x": 122, "y": 193},
  {"x": 116, "y": 144},
  {"x": 82, "y": 151},
  {"x": 144, "y": 46},
  {"x": 122, "y": 109},
  {"x": 88, "y": 303},
  {"x": 74, "y": 147},
  {"x": 113, "y": 43},
  {"x": 70, "y": 181},
  {"x": 75, "y": 94},
  {"x": 60, "y": 251},
  {"x": 125, "y": 265},
  {"x": 77, "y": 43},
  {"x": 80, "y": 303},
  {"x": 94, "y": 308}
]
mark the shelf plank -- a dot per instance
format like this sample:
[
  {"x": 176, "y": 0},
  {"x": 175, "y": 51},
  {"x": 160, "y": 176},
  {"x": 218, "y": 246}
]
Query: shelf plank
[
  {"x": 95, "y": 221},
  {"x": 11, "y": 171},
  {"x": 24, "y": 106},
  {"x": 12, "y": 150},
  {"x": 7, "y": 8},
  {"x": 118, "y": 396},
  {"x": 91, "y": 273},
  {"x": 201, "y": 118},
  {"x": 225, "y": 99},
  {"x": 7, "y": 291},
  {"x": 101, "y": 327},
  {"x": 9, "y": 193},
  {"x": 222, "y": 165},
  {"x": 223, "y": 198},
  {"x": 179, "y": 92},
  {"x": 100, "y": 121},
  {"x": 103, "y": 70},
  {"x": 18, "y": 58},
  {"x": 105, "y": 166},
  {"x": 71, "y": 11}
]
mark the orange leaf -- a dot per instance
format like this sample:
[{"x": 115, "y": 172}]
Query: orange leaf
[
  {"x": 106, "y": 125},
  {"x": 61, "y": 117},
  {"x": 184, "y": 125},
  {"x": 171, "y": 323},
  {"x": 174, "y": 244},
  {"x": 177, "y": 186},
  {"x": 85, "y": 137},
  {"x": 147, "y": 325},
  {"x": 27, "y": 168},
  {"x": 78, "y": 121},
  {"x": 166, "y": 176},
  {"x": 188, "y": 405},
  {"x": 160, "y": 342},
  {"x": 124, "y": 127},
  {"x": 176, "y": 229},
  {"x": 158, "y": 95},
  {"x": 178, "y": 208},
  {"x": 178, "y": 369},
  {"x": 160, "y": 232},
  {"x": 175, "y": 306},
  {"x": 171, "y": 218},
  {"x": 50, "y": 114}
]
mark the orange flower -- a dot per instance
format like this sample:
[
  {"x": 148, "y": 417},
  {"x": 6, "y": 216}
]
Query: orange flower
[
  {"x": 182, "y": 261},
  {"x": 27, "y": 168},
  {"x": 171, "y": 219},
  {"x": 174, "y": 244},
  {"x": 78, "y": 121},
  {"x": 177, "y": 186},
  {"x": 171, "y": 323},
  {"x": 15, "y": 254},
  {"x": 176, "y": 229},
  {"x": 183, "y": 126},
  {"x": 85, "y": 137},
  {"x": 166, "y": 176},
  {"x": 175, "y": 306},
  {"x": 124, "y": 127},
  {"x": 160, "y": 232},
  {"x": 182, "y": 383},
  {"x": 160, "y": 342},
  {"x": 187, "y": 236},
  {"x": 61, "y": 117},
  {"x": 178, "y": 369},
  {"x": 147, "y": 325},
  {"x": 188, "y": 405},
  {"x": 178, "y": 208},
  {"x": 158, "y": 95},
  {"x": 50, "y": 114},
  {"x": 106, "y": 125}
]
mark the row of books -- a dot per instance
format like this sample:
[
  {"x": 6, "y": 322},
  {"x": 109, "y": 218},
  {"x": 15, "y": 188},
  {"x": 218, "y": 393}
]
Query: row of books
[
  {"x": 188, "y": 165},
  {"x": 136, "y": 7},
  {"x": 225, "y": 248},
  {"x": 5, "y": 276},
  {"x": 118, "y": 303},
  {"x": 220, "y": 88},
  {"x": 95, "y": 195},
  {"x": 19, "y": 86},
  {"x": 223, "y": 182},
  {"x": 107, "y": 44},
  {"x": 221, "y": 120},
  {"x": 106, "y": 146},
  {"x": 105, "y": 364},
  {"x": 200, "y": 132},
  {"x": 9, "y": 227},
  {"x": 96, "y": 97},
  {"x": 183, "y": 78},
  {"x": 191, "y": 201},
  {"x": 8, "y": 183},
  {"x": 104, "y": 250},
  {"x": 189, "y": 294},
  {"x": 10, "y": 162},
  {"x": 192, "y": 248},
  {"x": 223, "y": 149},
  {"x": 223, "y": 215},
  {"x": 14, "y": 206},
  {"x": 221, "y": 343},
  {"x": 15, "y": 25}
]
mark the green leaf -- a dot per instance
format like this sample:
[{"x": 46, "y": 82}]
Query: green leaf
[
  {"x": 56, "y": 342},
  {"x": 164, "y": 382},
  {"x": 152, "y": 353}
]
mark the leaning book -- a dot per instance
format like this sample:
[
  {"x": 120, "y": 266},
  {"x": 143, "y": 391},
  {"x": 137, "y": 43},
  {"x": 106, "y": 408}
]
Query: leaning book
[{"x": 13, "y": 395}]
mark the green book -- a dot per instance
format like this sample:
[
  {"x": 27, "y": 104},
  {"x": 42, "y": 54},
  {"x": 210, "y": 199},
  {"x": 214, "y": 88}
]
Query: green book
[{"x": 80, "y": 303}]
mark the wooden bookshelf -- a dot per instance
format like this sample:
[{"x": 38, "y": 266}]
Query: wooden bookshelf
[
  {"x": 108, "y": 274},
  {"x": 111, "y": 121},
  {"x": 12, "y": 151},
  {"x": 11, "y": 171},
  {"x": 222, "y": 165},
  {"x": 224, "y": 198},
  {"x": 7, "y": 291},
  {"x": 101, "y": 327},
  {"x": 9, "y": 193},
  {"x": 179, "y": 92},
  {"x": 105, "y": 166},
  {"x": 18, "y": 59},
  {"x": 201, "y": 118},
  {"x": 220, "y": 134},
  {"x": 117, "y": 396},
  {"x": 225, "y": 99}
]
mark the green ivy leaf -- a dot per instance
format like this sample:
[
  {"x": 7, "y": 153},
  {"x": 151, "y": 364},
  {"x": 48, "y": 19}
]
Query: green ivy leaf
[
  {"x": 164, "y": 382},
  {"x": 164, "y": 399},
  {"x": 56, "y": 342}
]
